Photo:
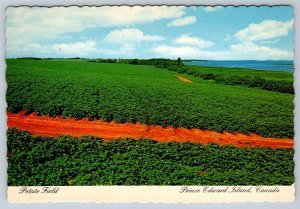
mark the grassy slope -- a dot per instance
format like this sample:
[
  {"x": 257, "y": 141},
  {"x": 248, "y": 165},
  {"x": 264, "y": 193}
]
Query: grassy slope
[
  {"x": 62, "y": 161},
  {"x": 145, "y": 94},
  {"x": 268, "y": 75}
]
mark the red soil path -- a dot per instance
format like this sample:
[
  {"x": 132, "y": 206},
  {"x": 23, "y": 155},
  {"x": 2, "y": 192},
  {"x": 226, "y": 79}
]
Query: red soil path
[
  {"x": 184, "y": 79},
  {"x": 56, "y": 126}
]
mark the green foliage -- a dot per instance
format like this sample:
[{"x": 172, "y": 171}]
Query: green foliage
[
  {"x": 140, "y": 93},
  {"x": 267, "y": 75},
  {"x": 157, "y": 62},
  {"x": 66, "y": 160},
  {"x": 280, "y": 86},
  {"x": 245, "y": 77}
]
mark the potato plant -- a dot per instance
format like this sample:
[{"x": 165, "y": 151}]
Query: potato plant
[
  {"x": 66, "y": 160},
  {"x": 145, "y": 94}
]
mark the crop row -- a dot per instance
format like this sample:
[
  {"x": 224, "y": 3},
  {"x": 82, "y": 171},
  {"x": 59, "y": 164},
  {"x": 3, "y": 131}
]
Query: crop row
[
  {"x": 130, "y": 93},
  {"x": 65, "y": 160}
]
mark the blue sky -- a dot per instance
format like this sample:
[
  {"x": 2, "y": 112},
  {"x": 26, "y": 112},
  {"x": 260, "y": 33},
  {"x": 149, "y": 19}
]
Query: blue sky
[{"x": 214, "y": 33}]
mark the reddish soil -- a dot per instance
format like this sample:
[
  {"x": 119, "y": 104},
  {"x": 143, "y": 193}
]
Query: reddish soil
[
  {"x": 56, "y": 126},
  {"x": 184, "y": 79}
]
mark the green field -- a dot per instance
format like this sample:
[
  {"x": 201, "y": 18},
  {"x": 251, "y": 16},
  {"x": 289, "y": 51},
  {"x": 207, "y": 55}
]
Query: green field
[
  {"x": 34, "y": 161},
  {"x": 150, "y": 95},
  {"x": 269, "y": 75},
  {"x": 139, "y": 93}
]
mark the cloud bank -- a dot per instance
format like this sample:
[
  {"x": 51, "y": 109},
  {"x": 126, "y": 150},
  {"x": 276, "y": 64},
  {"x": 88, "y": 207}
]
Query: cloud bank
[{"x": 182, "y": 21}]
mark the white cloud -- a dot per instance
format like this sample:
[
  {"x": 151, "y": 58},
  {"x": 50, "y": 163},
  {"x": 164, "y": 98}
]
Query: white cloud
[
  {"x": 89, "y": 49},
  {"x": 212, "y": 8},
  {"x": 251, "y": 50},
  {"x": 189, "y": 52},
  {"x": 227, "y": 37},
  {"x": 27, "y": 25},
  {"x": 76, "y": 49},
  {"x": 193, "y": 41},
  {"x": 30, "y": 30},
  {"x": 173, "y": 51},
  {"x": 245, "y": 51},
  {"x": 252, "y": 38},
  {"x": 125, "y": 50},
  {"x": 267, "y": 29},
  {"x": 57, "y": 20},
  {"x": 269, "y": 41},
  {"x": 131, "y": 35},
  {"x": 32, "y": 50},
  {"x": 182, "y": 21}
]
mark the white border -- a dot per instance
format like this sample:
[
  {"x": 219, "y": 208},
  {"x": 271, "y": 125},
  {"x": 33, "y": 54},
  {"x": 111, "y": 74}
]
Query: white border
[
  {"x": 3, "y": 176},
  {"x": 155, "y": 194}
]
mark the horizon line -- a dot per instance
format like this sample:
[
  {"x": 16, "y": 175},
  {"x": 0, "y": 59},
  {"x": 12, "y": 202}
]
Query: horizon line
[{"x": 193, "y": 59}]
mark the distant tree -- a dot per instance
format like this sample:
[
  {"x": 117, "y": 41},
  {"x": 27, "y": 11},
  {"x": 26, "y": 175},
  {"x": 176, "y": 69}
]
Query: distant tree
[
  {"x": 134, "y": 62},
  {"x": 178, "y": 61}
]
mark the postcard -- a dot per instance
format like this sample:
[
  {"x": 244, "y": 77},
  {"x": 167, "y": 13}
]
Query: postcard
[{"x": 150, "y": 103}]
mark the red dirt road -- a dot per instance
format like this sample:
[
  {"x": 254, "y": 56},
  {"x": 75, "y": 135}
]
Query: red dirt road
[
  {"x": 50, "y": 126},
  {"x": 184, "y": 79}
]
